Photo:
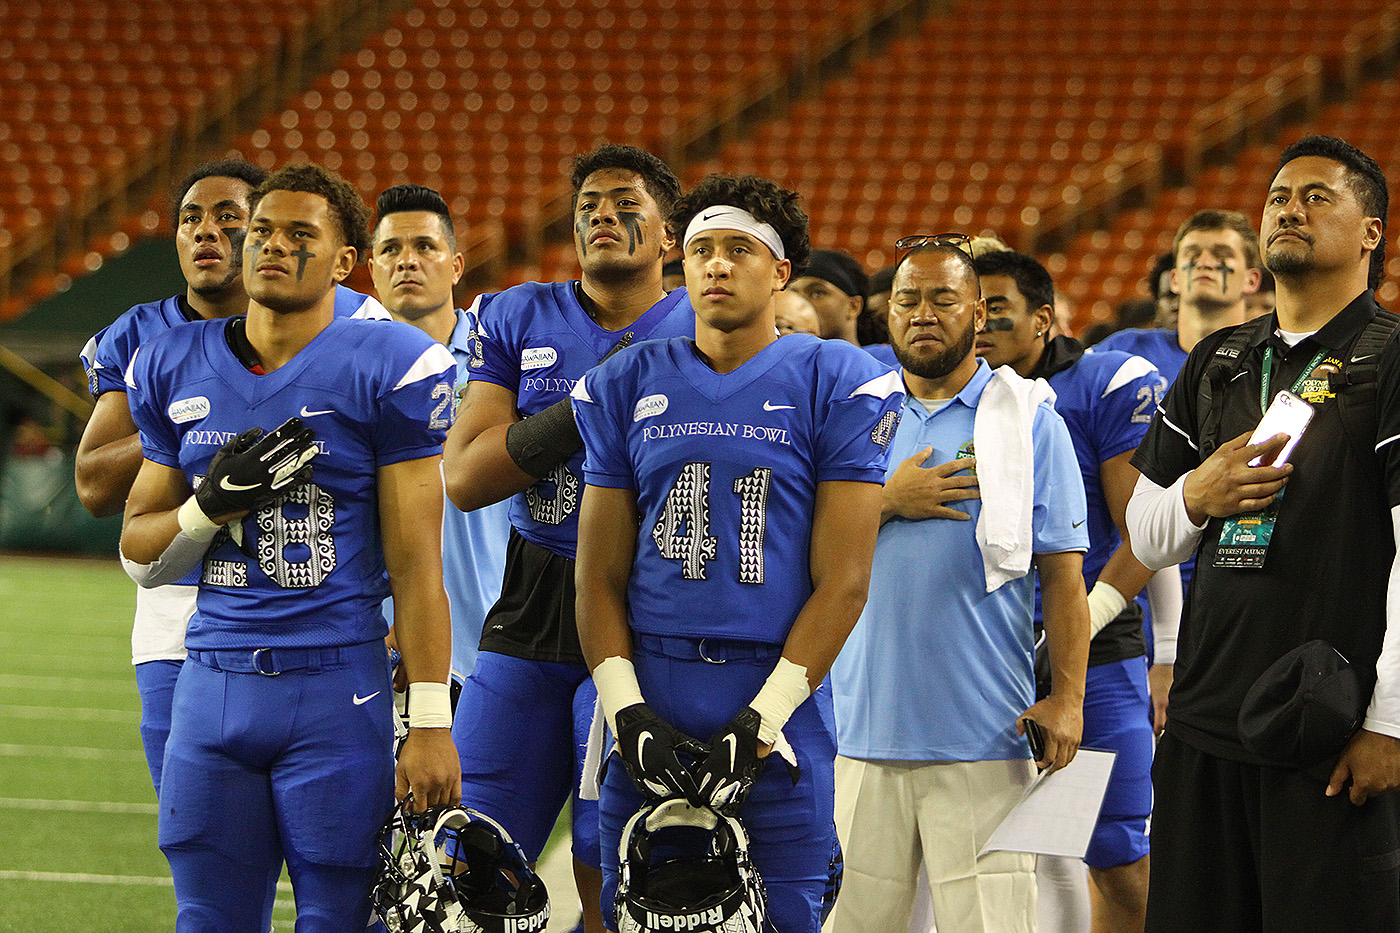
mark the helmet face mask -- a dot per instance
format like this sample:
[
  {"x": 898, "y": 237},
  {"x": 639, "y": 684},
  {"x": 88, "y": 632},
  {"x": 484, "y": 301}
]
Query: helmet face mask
[
  {"x": 454, "y": 870},
  {"x": 710, "y": 887}
]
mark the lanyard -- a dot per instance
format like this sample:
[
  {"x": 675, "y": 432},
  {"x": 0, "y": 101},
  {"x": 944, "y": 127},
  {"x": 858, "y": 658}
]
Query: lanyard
[{"x": 1267, "y": 376}]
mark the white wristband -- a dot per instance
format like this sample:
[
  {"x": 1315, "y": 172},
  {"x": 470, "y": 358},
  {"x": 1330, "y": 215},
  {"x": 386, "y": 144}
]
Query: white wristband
[
  {"x": 1105, "y": 603},
  {"x": 616, "y": 680},
  {"x": 429, "y": 705},
  {"x": 195, "y": 523},
  {"x": 784, "y": 691}
]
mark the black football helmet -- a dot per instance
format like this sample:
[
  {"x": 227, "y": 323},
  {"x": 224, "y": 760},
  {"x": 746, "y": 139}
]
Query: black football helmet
[
  {"x": 708, "y": 886},
  {"x": 454, "y": 870}
]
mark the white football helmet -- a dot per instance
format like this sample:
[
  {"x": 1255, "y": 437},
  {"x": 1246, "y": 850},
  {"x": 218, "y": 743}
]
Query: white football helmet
[
  {"x": 705, "y": 884},
  {"x": 454, "y": 870}
]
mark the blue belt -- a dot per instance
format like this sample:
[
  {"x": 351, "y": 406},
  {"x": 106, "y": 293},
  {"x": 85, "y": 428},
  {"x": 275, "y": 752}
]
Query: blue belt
[
  {"x": 271, "y": 661},
  {"x": 713, "y": 650}
]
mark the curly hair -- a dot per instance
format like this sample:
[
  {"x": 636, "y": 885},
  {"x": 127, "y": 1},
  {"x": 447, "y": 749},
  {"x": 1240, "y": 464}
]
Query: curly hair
[
  {"x": 661, "y": 183},
  {"x": 760, "y": 197},
  {"x": 345, "y": 202},
  {"x": 244, "y": 171}
]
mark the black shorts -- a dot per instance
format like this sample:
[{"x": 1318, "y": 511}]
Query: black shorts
[
  {"x": 534, "y": 618},
  {"x": 1239, "y": 847}
]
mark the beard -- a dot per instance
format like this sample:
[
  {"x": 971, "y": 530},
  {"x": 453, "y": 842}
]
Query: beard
[
  {"x": 1282, "y": 262},
  {"x": 941, "y": 363}
]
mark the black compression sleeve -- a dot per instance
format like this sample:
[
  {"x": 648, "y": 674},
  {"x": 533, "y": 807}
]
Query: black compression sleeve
[{"x": 545, "y": 439}]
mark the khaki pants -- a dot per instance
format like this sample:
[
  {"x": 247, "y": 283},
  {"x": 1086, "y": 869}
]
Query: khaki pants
[{"x": 893, "y": 816}]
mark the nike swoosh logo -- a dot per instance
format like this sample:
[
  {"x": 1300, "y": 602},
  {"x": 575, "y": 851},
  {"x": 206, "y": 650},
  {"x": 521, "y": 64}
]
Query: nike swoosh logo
[
  {"x": 1078, "y": 523},
  {"x": 642, "y": 739},
  {"x": 733, "y": 751},
  {"x": 769, "y": 406},
  {"x": 1362, "y": 359},
  {"x": 361, "y": 701},
  {"x": 709, "y": 216},
  {"x": 305, "y": 413},
  {"x": 235, "y": 487}
]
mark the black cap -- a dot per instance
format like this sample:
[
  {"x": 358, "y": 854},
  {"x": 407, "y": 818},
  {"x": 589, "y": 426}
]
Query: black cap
[{"x": 1303, "y": 710}]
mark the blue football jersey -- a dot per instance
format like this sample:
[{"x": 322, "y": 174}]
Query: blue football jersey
[
  {"x": 1159, "y": 347},
  {"x": 537, "y": 341},
  {"x": 107, "y": 355},
  {"x": 1107, "y": 400},
  {"x": 309, "y": 569},
  {"x": 726, "y": 467}
]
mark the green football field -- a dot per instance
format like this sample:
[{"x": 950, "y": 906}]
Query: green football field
[{"x": 77, "y": 811}]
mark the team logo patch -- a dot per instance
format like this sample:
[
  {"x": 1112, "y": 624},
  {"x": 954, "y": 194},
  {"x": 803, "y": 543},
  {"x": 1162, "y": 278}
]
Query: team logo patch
[
  {"x": 884, "y": 431},
  {"x": 188, "y": 409},
  {"x": 1317, "y": 388},
  {"x": 538, "y": 358},
  {"x": 650, "y": 406}
]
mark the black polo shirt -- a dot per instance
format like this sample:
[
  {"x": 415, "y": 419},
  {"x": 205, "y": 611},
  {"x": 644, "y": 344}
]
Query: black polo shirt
[{"x": 1327, "y": 566}]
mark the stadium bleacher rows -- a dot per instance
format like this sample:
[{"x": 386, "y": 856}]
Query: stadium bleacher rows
[{"x": 951, "y": 125}]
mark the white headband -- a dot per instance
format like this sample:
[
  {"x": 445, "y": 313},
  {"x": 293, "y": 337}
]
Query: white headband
[{"x": 726, "y": 217}]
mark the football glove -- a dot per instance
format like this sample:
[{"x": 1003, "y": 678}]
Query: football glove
[
  {"x": 729, "y": 771},
  {"x": 254, "y": 468},
  {"x": 648, "y": 745}
]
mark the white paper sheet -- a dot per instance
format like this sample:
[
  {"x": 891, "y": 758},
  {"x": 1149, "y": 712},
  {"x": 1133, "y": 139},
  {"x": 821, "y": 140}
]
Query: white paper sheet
[{"x": 1057, "y": 813}]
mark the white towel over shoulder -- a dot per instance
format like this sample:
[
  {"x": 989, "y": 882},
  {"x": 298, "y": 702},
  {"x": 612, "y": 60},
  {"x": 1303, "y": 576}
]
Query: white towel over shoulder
[{"x": 1001, "y": 439}]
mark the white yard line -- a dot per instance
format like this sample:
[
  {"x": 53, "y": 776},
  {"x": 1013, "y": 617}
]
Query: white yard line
[
  {"x": 66, "y": 751},
  {"x": 79, "y": 806},
  {"x": 78, "y": 685},
  {"x": 68, "y": 714}
]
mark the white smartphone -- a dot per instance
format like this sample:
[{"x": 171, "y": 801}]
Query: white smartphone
[{"x": 1288, "y": 414}]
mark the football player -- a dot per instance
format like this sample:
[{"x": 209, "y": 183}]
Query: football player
[
  {"x": 725, "y": 540},
  {"x": 281, "y": 730},
  {"x": 211, "y": 217},
  {"x": 525, "y": 711},
  {"x": 1107, "y": 400},
  {"x": 415, "y": 264}
]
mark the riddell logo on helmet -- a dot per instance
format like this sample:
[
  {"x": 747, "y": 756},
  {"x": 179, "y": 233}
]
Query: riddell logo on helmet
[
  {"x": 709, "y": 919},
  {"x": 526, "y": 924}
]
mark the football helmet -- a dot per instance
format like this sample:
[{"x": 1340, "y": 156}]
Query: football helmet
[
  {"x": 454, "y": 870},
  {"x": 706, "y": 884}
]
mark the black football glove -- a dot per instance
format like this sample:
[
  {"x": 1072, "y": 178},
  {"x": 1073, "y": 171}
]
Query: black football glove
[
  {"x": 254, "y": 468},
  {"x": 729, "y": 771},
  {"x": 648, "y": 745}
]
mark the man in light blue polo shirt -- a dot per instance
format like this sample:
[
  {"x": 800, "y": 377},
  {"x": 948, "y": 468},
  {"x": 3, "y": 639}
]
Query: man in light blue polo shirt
[
  {"x": 934, "y": 686},
  {"x": 415, "y": 263}
]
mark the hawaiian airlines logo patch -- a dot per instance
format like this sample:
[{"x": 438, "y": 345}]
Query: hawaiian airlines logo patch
[
  {"x": 188, "y": 409},
  {"x": 537, "y": 358},
  {"x": 650, "y": 406}
]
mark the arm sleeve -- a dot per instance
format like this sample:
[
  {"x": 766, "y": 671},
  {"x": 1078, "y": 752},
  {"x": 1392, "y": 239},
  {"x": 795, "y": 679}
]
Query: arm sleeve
[
  {"x": 1383, "y": 713},
  {"x": 1164, "y": 601},
  {"x": 1060, "y": 513},
  {"x": 414, "y": 412},
  {"x": 1162, "y": 533},
  {"x": 606, "y": 461}
]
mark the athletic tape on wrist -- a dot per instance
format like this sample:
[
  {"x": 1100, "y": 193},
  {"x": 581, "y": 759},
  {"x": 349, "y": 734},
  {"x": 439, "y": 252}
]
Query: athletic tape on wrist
[
  {"x": 1105, "y": 603},
  {"x": 194, "y": 523},
  {"x": 616, "y": 680},
  {"x": 429, "y": 705},
  {"x": 784, "y": 691}
]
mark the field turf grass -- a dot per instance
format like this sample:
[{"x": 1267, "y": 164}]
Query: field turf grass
[{"x": 77, "y": 810}]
